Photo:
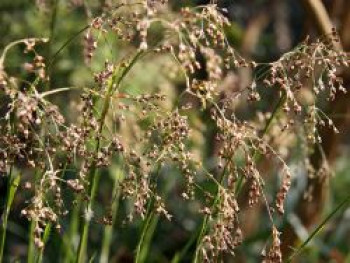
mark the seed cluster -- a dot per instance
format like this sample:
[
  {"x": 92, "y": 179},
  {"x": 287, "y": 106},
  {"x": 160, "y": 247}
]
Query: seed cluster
[
  {"x": 274, "y": 254},
  {"x": 225, "y": 234},
  {"x": 35, "y": 136}
]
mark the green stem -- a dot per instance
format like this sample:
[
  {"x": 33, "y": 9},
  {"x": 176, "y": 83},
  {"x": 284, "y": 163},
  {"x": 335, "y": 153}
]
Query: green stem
[
  {"x": 113, "y": 85},
  {"x": 257, "y": 155},
  {"x": 149, "y": 227},
  {"x": 31, "y": 247},
  {"x": 45, "y": 238},
  {"x": 86, "y": 223},
  {"x": 67, "y": 249},
  {"x": 206, "y": 218},
  {"x": 240, "y": 181},
  {"x": 94, "y": 172},
  {"x": 108, "y": 229},
  {"x": 139, "y": 258},
  {"x": 65, "y": 44},
  {"x": 11, "y": 190},
  {"x": 319, "y": 228},
  {"x": 178, "y": 256},
  {"x": 106, "y": 243},
  {"x": 52, "y": 33},
  {"x": 148, "y": 238}
]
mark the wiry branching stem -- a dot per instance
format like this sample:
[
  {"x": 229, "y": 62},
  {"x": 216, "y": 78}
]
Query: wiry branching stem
[{"x": 113, "y": 85}]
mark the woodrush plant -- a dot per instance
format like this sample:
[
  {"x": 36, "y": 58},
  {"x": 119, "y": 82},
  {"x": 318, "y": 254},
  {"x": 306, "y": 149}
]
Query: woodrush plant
[{"x": 36, "y": 138}]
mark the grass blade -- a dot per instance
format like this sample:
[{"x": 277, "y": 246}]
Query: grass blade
[
  {"x": 319, "y": 228},
  {"x": 12, "y": 188},
  {"x": 45, "y": 239}
]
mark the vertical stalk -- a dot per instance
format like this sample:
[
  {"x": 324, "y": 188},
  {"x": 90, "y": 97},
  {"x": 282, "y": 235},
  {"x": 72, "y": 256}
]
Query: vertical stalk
[
  {"x": 11, "y": 190},
  {"x": 147, "y": 238},
  {"x": 31, "y": 247},
  {"x": 139, "y": 257},
  {"x": 256, "y": 157},
  {"x": 50, "y": 43},
  {"x": 45, "y": 238},
  {"x": 67, "y": 249},
  {"x": 113, "y": 85},
  {"x": 147, "y": 230},
  {"x": 178, "y": 257},
  {"x": 108, "y": 230},
  {"x": 206, "y": 218},
  {"x": 86, "y": 224}
]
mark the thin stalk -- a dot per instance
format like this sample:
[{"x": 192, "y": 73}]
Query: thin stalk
[
  {"x": 31, "y": 246},
  {"x": 240, "y": 181},
  {"x": 148, "y": 238},
  {"x": 45, "y": 238},
  {"x": 86, "y": 224},
  {"x": 52, "y": 33},
  {"x": 11, "y": 190},
  {"x": 179, "y": 256},
  {"x": 94, "y": 173},
  {"x": 150, "y": 224},
  {"x": 206, "y": 218},
  {"x": 66, "y": 245},
  {"x": 108, "y": 229},
  {"x": 52, "y": 27},
  {"x": 319, "y": 228},
  {"x": 14, "y": 43},
  {"x": 113, "y": 85},
  {"x": 107, "y": 239},
  {"x": 65, "y": 44},
  {"x": 267, "y": 127},
  {"x": 67, "y": 249},
  {"x": 139, "y": 255},
  {"x": 148, "y": 230}
]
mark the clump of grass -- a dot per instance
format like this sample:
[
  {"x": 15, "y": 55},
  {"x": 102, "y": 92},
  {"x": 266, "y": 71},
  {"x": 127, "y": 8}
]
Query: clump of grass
[{"x": 36, "y": 137}]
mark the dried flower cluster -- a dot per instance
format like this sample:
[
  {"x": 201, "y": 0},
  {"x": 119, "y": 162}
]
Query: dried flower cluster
[
  {"x": 274, "y": 254},
  {"x": 36, "y": 137}
]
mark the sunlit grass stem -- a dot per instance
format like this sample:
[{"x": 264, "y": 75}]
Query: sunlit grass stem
[
  {"x": 113, "y": 85},
  {"x": 12, "y": 185}
]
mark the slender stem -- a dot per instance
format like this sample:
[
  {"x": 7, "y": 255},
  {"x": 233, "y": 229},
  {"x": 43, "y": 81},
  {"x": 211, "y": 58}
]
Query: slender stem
[
  {"x": 145, "y": 249},
  {"x": 267, "y": 127},
  {"x": 52, "y": 33},
  {"x": 11, "y": 190},
  {"x": 67, "y": 249},
  {"x": 31, "y": 247},
  {"x": 146, "y": 226},
  {"x": 240, "y": 181},
  {"x": 108, "y": 229},
  {"x": 206, "y": 218},
  {"x": 65, "y": 44},
  {"x": 4, "y": 222},
  {"x": 86, "y": 223},
  {"x": 178, "y": 256},
  {"x": 45, "y": 238},
  {"x": 149, "y": 226},
  {"x": 319, "y": 227},
  {"x": 94, "y": 172},
  {"x": 113, "y": 85},
  {"x": 94, "y": 177}
]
